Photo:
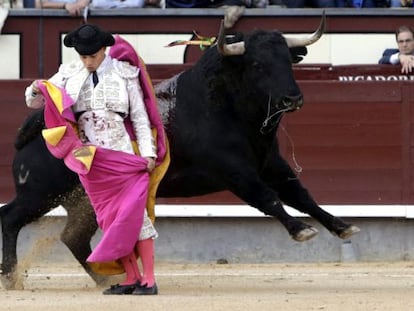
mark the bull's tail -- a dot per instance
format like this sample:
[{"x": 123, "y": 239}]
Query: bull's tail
[{"x": 31, "y": 128}]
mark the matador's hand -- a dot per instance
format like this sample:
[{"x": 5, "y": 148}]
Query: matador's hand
[
  {"x": 35, "y": 87},
  {"x": 151, "y": 164}
]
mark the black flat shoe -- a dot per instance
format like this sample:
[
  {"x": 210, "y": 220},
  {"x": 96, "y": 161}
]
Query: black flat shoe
[
  {"x": 144, "y": 290},
  {"x": 119, "y": 289}
]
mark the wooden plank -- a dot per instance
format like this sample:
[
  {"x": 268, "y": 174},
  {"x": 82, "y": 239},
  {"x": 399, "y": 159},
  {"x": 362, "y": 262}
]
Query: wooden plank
[
  {"x": 345, "y": 92},
  {"x": 345, "y": 135},
  {"x": 350, "y": 113},
  {"x": 360, "y": 196},
  {"x": 348, "y": 157},
  {"x": 354, "y": 186}
]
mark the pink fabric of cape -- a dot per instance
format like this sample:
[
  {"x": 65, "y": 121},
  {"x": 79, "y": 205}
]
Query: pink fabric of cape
[
  {"x": 124, "y": 51},
  {"x": 116, "y": 183}
]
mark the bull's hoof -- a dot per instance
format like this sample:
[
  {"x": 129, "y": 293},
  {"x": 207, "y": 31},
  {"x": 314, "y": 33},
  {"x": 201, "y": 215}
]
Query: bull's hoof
[
  {"x": 10, "y": 281},
  {"x": 348, "y": 232},
  {"x": 102, "y": 281},
  {"x": 305, "y": 234}
]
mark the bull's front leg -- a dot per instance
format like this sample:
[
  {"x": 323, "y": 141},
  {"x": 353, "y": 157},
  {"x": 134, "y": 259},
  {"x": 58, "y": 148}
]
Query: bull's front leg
[
  {"x": 280, "y": 176},
  {"x": 247, "y": 185},
  {"x": 292, "y": 193},
  {"x": 297, "y": 229}
]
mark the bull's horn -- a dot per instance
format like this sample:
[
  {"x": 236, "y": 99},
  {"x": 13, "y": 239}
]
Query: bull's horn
[
  {"x": 228, "y": 49},
  {"x": 308, "y": 40}
]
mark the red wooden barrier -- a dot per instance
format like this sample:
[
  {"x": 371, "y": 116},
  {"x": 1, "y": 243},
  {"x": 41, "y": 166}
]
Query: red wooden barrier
[{"x": 353, "y": 139}]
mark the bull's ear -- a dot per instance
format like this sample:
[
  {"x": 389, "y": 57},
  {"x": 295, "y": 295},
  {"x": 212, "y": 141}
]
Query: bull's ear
[{"x": 298, "y": 53}]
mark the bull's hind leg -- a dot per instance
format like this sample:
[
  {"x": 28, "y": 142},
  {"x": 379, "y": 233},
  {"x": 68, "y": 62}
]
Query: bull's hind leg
[
  {"x": 9, "y": 262},
  {"x": 80, "y": 228},
  {"x": 14, "y": 216}
]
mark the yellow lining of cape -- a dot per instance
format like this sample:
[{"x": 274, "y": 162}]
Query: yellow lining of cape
[
  {"x": 55, "y": 94},
  {"x": 85, "y": 155},
  {"x": 54, "y": 135}
]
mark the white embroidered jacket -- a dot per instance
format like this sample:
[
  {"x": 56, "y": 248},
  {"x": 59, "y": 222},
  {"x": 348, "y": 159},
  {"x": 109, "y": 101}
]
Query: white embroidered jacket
[{"x": 101, "y": 110}]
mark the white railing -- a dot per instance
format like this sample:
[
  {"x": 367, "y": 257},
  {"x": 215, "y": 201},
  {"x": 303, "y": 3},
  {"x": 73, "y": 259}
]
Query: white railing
[{"x": 213, "y": 210}]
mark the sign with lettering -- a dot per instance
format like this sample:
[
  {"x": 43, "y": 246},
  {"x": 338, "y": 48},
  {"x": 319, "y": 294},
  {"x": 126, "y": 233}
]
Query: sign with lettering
[{"x": 376, "y": 78}]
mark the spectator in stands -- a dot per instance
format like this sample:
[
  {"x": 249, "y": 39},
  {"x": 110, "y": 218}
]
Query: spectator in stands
[
  {"x": 29, "y": 4},
  {"x": 309, "y": 3},
  {"x": 404, "y": 55},
  {"x": 117, "y": 4},
  {"x": 74, "y": 7},
  {"x": 356, "y": 3},
  {"x": 215, "y": 3},
  {"x": 331, "y": 3},
  {"x": 401, "y": 3}
]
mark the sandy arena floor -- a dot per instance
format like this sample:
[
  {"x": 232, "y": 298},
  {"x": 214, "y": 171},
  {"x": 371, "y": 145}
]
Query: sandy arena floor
[{"x": 351, "y": 286}]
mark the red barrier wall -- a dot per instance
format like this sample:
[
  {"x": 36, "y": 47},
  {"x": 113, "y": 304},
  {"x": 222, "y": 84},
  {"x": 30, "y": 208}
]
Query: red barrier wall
[{"x": 354, "y": 140}]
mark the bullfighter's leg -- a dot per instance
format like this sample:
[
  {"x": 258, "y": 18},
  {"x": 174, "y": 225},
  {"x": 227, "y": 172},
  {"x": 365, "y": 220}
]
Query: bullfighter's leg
[
  {"x": 146, "y": 250},
  {"x": 130, "y": 265}
]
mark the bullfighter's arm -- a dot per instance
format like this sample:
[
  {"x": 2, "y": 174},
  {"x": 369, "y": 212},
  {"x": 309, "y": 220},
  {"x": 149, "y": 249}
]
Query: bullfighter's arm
[
  {"x": 140, "y": 120},
  {"x": 33, "y": 97}
]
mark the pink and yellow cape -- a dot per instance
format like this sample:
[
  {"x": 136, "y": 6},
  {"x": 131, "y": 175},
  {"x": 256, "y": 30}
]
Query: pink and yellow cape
[{"x": 120, "y": 207}]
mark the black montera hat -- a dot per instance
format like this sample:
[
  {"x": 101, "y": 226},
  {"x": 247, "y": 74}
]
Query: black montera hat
[{"x": 88, "y": 39}]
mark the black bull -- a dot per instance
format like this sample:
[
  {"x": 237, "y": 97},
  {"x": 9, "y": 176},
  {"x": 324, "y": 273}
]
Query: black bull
[{"x": 220, "y": 117}]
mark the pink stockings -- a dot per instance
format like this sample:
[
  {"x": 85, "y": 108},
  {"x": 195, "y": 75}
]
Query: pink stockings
[
  {"x": 145, "y": 249},
  {"x": 131, "y": 269},
  {"x": 146, "y": 252}
]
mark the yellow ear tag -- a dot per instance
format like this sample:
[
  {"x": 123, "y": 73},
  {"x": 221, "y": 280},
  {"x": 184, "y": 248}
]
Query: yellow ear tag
[
  {"x": 85, "y": 155},
  {"x": 54, "y": 135}
]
